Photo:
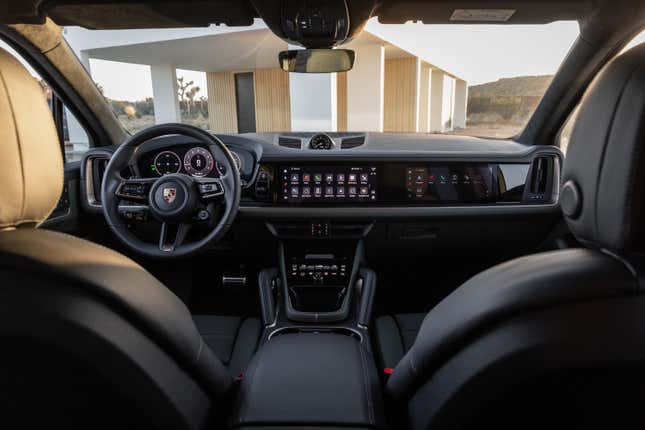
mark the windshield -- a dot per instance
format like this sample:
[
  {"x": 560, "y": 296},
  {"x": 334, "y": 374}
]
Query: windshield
[{"x": 480, "y": 80}]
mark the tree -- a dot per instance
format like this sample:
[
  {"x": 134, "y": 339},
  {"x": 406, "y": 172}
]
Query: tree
[
  {"x": 190, "y": 95},
  {"x": 182, "y": 87}
]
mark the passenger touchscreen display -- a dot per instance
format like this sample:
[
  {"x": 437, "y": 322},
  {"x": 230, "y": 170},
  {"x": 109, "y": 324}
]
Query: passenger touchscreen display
[
  {"x": 326, "y": 184},
  {"x": 449, "y": 183}
]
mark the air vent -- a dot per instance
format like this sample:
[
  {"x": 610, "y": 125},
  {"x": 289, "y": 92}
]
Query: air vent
[
  {"x": 289, "y": 142},
  {"x": 352, "y": 142},
  {"x": 541, "y": 179},
  {"x": 94, "y": 170},
  {"x": 321, "y": 141}
]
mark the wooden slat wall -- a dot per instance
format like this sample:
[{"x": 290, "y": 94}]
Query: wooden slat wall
[
  {"x": 272, "y": 103},
  {"x": 222, "y": 113},
  {"x": 400, "y": 93},
  {"x": 341, "y": 101}
]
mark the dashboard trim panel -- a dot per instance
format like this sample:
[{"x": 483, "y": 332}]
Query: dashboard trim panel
[{"x": 376, "y": 212}]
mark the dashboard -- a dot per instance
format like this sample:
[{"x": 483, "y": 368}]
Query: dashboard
[{"x": 378, "y": 175}]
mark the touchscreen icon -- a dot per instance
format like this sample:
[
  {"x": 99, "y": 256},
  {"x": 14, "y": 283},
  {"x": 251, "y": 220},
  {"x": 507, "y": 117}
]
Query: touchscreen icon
[
  {"x": 318, "y": 177},
  {"x": 340, "y": 177},
  {"x": 329, "y": 177},
  {"x": 364, "y": 177},
  {"x": 317, "y": 191},
  {"x": 295, "y": 177},
  {"x": 340, "y": 191},
  {"x": 295, "y": 191},
  {"x": 352, "y": 191},
  {"x": 329, "y": 191},
  {"x": 364, "y": 191},
  {"x": 306, "y": 177},
  {"x": 352, "y": 177},
  {"x": 306, "y": 192}
]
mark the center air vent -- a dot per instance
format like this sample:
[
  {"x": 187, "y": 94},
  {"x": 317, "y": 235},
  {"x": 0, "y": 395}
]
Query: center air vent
[
  {"x": 321, "y": 141},
  {"x": 289, "y": 142}
]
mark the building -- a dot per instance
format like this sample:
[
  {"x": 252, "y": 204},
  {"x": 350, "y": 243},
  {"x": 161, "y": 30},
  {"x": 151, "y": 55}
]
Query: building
[{"x": 389, "y": 89}]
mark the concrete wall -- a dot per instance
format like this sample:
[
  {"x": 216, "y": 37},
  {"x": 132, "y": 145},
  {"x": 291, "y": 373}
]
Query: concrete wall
[
  {"x": 365, "y": 90},
  {"x": 436, "y": 101},
  {"x": 164, "y": 93},
  {"x": 424, "y": 98},
  {"x": 460, "y": 104}
]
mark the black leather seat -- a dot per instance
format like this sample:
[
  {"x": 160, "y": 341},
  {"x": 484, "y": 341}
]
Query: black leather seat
[
  {"x": 88, "y": 338},
  {"x": 395, "y": 335},
  {"x": 234, "y": 340},
  {"x": 554, "y": 339}
]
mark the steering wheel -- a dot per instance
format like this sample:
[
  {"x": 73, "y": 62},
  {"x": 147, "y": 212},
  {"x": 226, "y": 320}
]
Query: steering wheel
[{"x": 176, "y": 201}]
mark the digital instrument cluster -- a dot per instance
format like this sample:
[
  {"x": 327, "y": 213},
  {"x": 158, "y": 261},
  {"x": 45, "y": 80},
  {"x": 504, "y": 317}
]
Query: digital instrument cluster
[{"x": 196, "y": 161}]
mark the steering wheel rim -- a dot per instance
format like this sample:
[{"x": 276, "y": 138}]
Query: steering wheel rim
[{"x": 112, "y": 181}]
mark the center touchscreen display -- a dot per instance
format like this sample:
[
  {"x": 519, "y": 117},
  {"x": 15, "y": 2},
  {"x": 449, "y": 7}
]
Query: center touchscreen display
[
  {"x": 325, "y": 184},
  {"x": 449, "y": 183}
]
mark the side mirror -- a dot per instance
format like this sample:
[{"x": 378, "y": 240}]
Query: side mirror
[{"x": 317, "y": 60}]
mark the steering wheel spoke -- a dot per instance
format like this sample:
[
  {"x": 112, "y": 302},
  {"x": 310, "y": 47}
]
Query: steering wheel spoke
[
  {"x": 134, "y": 189},
  {"x": 172, "y": 236}
]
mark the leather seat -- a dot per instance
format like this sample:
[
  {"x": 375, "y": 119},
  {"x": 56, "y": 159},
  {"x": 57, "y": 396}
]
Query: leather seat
[
  {"x": 395, "y": 335},
  {"x": 554, "y": 339},
  {"x": 234, "y": 340},
  {"x": 88, "y": 337}
]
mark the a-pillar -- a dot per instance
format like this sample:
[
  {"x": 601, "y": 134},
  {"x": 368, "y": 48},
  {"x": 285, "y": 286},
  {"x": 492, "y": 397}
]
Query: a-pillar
[
  {"x": 436, "y": 101},
  {"x": 365, "y": 89},
  {"x": 461, "y": 103},
  {"x": 164, "y": 93}
]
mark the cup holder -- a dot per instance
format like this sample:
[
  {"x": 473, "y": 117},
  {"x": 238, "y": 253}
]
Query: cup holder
[
  {"x": 341, "y": 331},
  {"x": 317, "y": 298}
]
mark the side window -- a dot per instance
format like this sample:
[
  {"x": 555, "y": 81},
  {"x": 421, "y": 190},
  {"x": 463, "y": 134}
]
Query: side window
[{"x": 72, "y": 136}]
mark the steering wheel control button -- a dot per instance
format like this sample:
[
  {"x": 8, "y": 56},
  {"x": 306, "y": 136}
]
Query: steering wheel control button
[
  {"x": 203, "y": 215},
  {"x": 210, "y": 189},
  {"x": 133, "y": 190}
]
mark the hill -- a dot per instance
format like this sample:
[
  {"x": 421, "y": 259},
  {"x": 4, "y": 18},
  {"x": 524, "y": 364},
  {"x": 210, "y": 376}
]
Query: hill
[{"x": 520, "y": 86}]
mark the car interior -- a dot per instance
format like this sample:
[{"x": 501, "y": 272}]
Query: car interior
[{"x": 177, "y": 277}]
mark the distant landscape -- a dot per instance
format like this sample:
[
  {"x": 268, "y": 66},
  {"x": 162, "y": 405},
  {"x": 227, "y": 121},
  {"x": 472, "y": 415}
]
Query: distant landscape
[{"x": 502, "y": 108}]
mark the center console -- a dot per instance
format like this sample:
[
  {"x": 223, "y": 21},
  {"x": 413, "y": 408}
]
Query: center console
[
  {"x": 315, "y": 367},
  {"x": 318, "y": 276}
]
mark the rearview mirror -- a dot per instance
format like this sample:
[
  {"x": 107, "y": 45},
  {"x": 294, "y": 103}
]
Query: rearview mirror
[{"x": 317, "y": 60}]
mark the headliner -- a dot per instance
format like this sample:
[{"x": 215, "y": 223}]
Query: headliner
[{"x": 119, "y": 14}]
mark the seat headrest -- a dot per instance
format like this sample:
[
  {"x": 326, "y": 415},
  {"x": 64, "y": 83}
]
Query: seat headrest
[
  {"x": 31, "y": 165},
  {"x": 603, "y": 191}
]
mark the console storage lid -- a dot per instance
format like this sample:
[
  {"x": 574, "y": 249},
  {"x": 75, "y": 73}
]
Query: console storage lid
[{"x": 321, "y": 378}]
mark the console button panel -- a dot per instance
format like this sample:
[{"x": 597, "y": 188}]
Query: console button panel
[{"x": 318, "y": 270}]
